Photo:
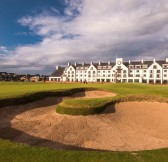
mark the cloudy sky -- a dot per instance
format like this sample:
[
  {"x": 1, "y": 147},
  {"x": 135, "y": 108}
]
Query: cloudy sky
[{"x": 37, "y": 35}]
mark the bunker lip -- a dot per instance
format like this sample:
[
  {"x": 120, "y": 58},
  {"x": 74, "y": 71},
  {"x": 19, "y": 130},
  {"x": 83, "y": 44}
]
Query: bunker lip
[{"x": 126, "y": 126}]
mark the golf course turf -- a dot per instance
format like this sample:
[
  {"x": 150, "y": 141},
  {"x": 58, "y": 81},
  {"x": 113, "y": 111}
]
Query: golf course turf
[{"x": 15, "y": 94}]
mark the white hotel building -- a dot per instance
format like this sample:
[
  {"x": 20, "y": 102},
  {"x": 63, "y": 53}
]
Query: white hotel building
[{"x": 118, "y": 71}]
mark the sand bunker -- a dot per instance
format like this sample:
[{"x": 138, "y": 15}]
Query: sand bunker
[{"x": 125, "y": 126}]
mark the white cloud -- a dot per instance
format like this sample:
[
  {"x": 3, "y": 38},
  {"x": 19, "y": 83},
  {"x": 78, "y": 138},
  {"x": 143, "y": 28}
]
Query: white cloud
[
  {"x": 93, "y": 30},
  {"x": 3, "y": 49}
]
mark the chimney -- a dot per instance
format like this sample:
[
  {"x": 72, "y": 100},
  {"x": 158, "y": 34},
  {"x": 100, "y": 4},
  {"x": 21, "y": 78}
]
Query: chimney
[
  {"x": 108, "y": 62},
  {"x": 91, "y": 63},
  {"x": 57, "y": 67},
  {"x": 83, "y": 63},
  {"x": 68, "y": 64},
  {"x": 142, "y": 61},
  {"x": 154, "y": 60},
  {"x": 75, "y": 63},
  {"x": 166, "y": 59},
  {"x": 129, "y": 61},
  {"x": 99, "y": 63}
]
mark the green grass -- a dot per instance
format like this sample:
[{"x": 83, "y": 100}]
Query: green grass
[
  {"x": 83, "y": 106},
  {"x": 97, "y": 105},
  {"x": 13, "y": 152},
  {"x": 16, "y": 89}
]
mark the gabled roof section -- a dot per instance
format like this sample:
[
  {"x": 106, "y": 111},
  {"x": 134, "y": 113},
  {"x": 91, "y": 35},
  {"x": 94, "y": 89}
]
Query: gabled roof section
[{"x": 58, "y": 72}]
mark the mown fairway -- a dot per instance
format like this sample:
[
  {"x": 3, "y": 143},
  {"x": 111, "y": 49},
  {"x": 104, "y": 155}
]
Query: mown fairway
[
  {"x": 19, "y": 152},
  {"x": 10, "y": 89}
]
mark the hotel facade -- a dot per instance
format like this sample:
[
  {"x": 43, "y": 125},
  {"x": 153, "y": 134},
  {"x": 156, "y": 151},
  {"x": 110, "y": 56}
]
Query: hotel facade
[{"x": 155, "y": 72}]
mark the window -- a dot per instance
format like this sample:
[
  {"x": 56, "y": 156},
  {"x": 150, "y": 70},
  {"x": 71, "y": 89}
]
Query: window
[
  {"x": 144, "y": 66},
  {"x": 91, "y": 68},
  {"x": 165, "y": 75},
  {"x": 138, "y": 66},
  {"x": 165, "y": 71},
  {"x": 94, "y": 72},
  {"x": 119, "y": 67},
  {"x": 154, "y": 67},
  {"x": 131, "y": 66},
  {"x": 158, "y": 76},
  {"x": 144, "y": 71},
  {"x": 124, "y": 71},
  {"x": 158, "y": 71},
  {"x": 137, "y": 71}
]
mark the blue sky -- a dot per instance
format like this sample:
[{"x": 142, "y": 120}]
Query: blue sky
[
  {"x": 11, "y": 32},
  {"x": 37, "y": 35}
]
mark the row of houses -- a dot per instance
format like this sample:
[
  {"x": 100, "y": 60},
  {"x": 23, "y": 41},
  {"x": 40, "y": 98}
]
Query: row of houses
[
  {"x": 118, "y": 71},
  {"x": 4, "y": 76}
]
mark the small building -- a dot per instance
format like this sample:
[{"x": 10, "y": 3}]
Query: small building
[
  {"x": 58, "y": 75},
  {"x": 34, "y": 78}
]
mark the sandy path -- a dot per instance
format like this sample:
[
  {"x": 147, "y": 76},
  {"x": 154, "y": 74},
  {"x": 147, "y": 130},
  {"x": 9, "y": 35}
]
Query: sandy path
[{"x": 127, "y": 126}]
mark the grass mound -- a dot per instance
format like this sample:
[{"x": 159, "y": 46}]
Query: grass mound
[
  {"x": 97, "y": 105},
  {"x": 83, "y": 106}
]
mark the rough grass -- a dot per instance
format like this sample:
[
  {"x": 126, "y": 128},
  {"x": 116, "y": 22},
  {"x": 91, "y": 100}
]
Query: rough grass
[{"x": 12, "y": 152}]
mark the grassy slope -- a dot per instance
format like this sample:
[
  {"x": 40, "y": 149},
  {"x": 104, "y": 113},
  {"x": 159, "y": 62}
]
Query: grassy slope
[{"x": 18, "y": 152}]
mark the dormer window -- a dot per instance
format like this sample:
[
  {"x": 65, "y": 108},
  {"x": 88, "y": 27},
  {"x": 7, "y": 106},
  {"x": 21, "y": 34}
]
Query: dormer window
[
  {"x": 144, "y": 66},
  {"x": 131, "y": 66},
  {"x": 138, "y": 66}
]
